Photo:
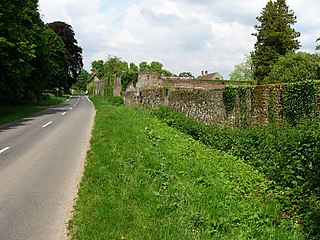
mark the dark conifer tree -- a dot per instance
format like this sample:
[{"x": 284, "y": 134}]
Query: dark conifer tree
[{"x": 275, "y": 37}]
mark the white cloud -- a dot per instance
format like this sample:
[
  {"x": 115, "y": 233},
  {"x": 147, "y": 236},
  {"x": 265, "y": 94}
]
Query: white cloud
[{"x": 184, "y": 35}]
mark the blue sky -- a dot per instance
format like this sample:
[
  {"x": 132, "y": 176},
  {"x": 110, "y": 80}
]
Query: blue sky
[{"x": 184, "y": 35}]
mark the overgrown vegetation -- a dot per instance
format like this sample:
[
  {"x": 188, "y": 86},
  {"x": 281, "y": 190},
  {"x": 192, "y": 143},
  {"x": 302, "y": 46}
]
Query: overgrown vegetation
[
  {"x": 299, "y": 101},
  {"x": 145, "y": 180},
  {"x": 288, "y": 155}
]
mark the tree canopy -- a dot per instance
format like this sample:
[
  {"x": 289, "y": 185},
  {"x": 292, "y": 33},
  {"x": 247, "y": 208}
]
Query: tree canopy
[
  {"x": 243, "y": 71},
  {"x": 275, "y": 37},
  {"x": 74, "y": 52},
  {"x": 294, "y": 67},
  {"x": 32, "y": 57}
]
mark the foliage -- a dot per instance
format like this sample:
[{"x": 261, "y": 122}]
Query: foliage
[
  {"x": 229, "y": 98},
  {"x": 74, "y": 52},
  {"x": 114, "y": 67},
  {"x": 299, "y": 101},
  {"x": 186, "y": 74},
  {"x": 318, "y": 47},
  {"x": 242, "y": 94},
  {"x": 243, "y": 71},
  {"x": 99, "y": 66},
  {"x": 144, "y": 180},
  {"x": 275, "y": 37},
  {"x": 82, "y": 80},
  {"x": 287, "y": 155},
  {"x": 294, "y": 67},
  {"x": 32, "y": 57},
  {"x": 154, "y": 66},
  {"x": 128, "y": 77}
]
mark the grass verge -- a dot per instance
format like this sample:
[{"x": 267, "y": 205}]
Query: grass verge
[
  {"x": 14, "y": 112},
  {"x": 145, "y": 180}
]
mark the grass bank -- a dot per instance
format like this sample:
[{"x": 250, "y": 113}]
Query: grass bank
[
  {"x": 145, "y": 180},
  {"x": 11, "y": 113}
]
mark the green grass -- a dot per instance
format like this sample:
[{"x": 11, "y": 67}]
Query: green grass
[
  {"x": 14, "y": 112},
  {"x": 145, "y": 180}
]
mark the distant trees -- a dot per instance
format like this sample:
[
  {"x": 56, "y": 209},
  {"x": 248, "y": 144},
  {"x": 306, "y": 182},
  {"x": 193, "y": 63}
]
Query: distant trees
[
  {"x": 115, "y": 66},
  {"x": 74, "y": 52},
  {"x": 275, "y": 37},
  {"x": 82, "y": 80},
  {"x": 185, "y": 74},
  {"x": 243, "y": 71},
  {"x": 32, "y": 57},
  {"x": 318, "y": 47}
]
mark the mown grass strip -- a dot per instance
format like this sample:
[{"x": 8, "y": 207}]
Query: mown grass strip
[
  {"x": 14, "y": 112},
  {"x": 145, "y": 180}
]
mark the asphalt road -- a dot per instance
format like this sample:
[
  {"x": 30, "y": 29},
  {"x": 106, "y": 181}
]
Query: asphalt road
[{"x": 41, "y": 160}]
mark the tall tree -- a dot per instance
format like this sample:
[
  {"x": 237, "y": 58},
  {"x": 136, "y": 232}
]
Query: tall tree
[
  {"x": 275, "y": 37},
  {"x": 318, "y": 47},
  {"x": 17, "y": 48},
  {"x": 74, "y": 52}
]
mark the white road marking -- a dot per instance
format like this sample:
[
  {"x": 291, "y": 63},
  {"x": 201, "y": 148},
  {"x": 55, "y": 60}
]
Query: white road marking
[
  {"x": 47, "y": 124},
  {"x": 70, "y": 108},
  {"x": 75, "y": 105},
  {"x": 88, "y": 98},
  {"x": 3, "y": 150},
  {"x": 63, "y": 113}
]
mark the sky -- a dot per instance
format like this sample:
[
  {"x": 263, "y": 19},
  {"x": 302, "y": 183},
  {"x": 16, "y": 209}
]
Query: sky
[{"x": 183, "y": 35}]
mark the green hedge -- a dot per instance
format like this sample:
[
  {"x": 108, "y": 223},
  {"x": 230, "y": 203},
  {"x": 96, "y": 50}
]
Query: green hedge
[{"x": 288, "y": 155}]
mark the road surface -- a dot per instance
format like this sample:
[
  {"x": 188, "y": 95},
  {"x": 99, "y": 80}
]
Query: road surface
[{"x": 41, "y": 160}]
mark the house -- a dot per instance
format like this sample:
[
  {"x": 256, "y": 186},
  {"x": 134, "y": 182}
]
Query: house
[
  {"x": 97, "y": 84},
  {"x": 210, "y": 76}
]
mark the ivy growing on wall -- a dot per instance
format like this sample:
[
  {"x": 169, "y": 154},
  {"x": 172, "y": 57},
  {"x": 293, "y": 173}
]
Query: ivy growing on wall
[
  {"x": 229, "y": 98},
  {"x": 252, "y": 97},
  {"x": 299, "y": 101},
  {"x": 272, "y": 114},
  {"x": 242, "y": 94}
]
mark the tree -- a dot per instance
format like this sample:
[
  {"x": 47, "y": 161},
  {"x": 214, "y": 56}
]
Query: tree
[
  {"x": 17, "y": 48},
  {"x": 243, "y": 71},
  {"x": 82, "y": 80},
  {"x": 275, "y": 37},
  {"x": 186, "y": 74},
  {"x": 99, "y": 66},
  {"x": 32, "y": 56},
  {"x": 114, "y": 67},
  {"x": 318, "y": 47},
  {"x": 294, "y": 67},
  {"x": 74, "y": 52},
  {"x": 144, "y": 67}
]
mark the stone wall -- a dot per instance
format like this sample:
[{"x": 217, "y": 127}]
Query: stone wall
[{"x": 262, "y": 104}]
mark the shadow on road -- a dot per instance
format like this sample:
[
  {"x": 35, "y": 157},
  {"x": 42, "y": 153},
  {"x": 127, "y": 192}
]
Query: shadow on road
[{"x": 24, "y": 121}]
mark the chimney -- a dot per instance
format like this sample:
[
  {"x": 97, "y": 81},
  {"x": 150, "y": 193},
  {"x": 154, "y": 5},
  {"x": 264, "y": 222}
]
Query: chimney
[
  {"x": 201, "y": 73},
  {"x": 206, "y": 72},
  {"x": 94, "y": 71}
]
